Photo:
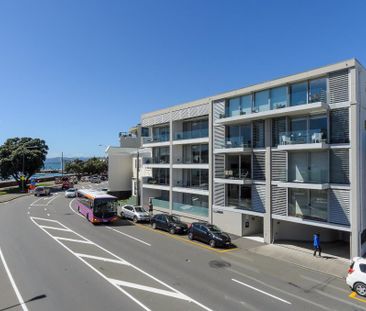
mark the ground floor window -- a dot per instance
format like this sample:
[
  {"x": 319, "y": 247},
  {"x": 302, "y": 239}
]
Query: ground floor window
[
  {"x": 238, "y": 196},
  {"x": 308, "y": 204}
]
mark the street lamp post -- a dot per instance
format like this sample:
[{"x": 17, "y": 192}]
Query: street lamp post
[{"x": 138, "y": 178}]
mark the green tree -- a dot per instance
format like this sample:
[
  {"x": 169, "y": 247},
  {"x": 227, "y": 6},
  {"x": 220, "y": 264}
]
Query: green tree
[
  {"x": 20, "y": 156},
  {"x": 76, "y": 167},
  {"x": 95, "y": 166}
]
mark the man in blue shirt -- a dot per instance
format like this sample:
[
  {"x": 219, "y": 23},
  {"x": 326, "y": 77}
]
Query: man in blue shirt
[{"x": 316, "y": 243}]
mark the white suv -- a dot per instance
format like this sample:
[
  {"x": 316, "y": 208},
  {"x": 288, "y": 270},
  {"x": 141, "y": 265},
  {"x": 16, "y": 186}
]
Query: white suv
[
  {"x": 356, "y": 278},
  {"x": 135, "y": 213}
]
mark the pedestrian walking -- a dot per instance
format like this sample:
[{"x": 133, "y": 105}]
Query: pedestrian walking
[
  {"x": 316, "y": 243},
  {"x": 151, "y": 208}
]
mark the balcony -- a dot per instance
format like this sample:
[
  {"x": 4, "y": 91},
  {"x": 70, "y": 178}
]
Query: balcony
[
  {"x": 235, "y": 177},
  {"x": 303, "y": 140},
  {"x": 190, "y": 137},
  {"x": 190, "y": 209},
  {"x": 235, "y": 145},
  {"x": 317, "y": 179},
  {"x": 156, "y": 183},
  {"x": 191, "y": 187},
  {"x": 156, "y": 141},
  {"x": 160, "y": 203},
  {"x": 162, "y": 162},
  {"x": 196, "y": 162},
  {"x": 279, "y": 110}
]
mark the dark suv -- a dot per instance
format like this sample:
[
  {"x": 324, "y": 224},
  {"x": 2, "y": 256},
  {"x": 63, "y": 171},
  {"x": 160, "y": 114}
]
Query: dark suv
[
  {"x": 168, "y": 223},
  {"x": 209, "y": 234}
]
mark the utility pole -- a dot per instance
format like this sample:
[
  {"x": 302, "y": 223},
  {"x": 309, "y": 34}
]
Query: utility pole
[
  {"x": 138, "y": 178},
  {"x": 62, "y": 164}
]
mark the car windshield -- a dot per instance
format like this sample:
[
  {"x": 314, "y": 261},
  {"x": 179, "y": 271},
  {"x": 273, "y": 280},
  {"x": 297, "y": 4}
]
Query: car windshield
[
  {"x": 71, "y": 190},
  {"x": 213, "y": 228},
  {"x": 174, "y": 219},
  {"x": 139, "y": 210},
  {"x": 105, "y": 205}
]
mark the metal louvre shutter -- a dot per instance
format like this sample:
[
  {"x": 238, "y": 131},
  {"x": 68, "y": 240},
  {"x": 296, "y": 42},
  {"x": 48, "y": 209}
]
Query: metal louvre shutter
[
  {"x": 219, "y": 130},
  {"x": 258, "y": 134},
  {"x": 338, "y": 87},
  {"x": 219, "y": 165},
  {"x": 191, "y": 112},
  {"x": 279, "y": 201},
  {"x": 339, "y": 207},
  {"x": 339, "y": 126},
  {"x": 278, "y": 127},
  {"x": 339, "y": 166},
  {"x": 219, "y": 194},
  {"x": 278, "y": 165},
  {"x": 259, "y": 166},
  {"x": 259, "y": 198},
  {"x": 160, "y": 119}
]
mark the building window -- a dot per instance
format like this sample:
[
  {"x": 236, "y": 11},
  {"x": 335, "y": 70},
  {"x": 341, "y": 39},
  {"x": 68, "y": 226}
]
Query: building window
[
  {"x": 318, "y": 90},
  {"x": 238, "y": 136},
  {"x": 232, "y": 107},
  {"x": 279, "y": 97},
  {"x": 161, "y": 155},
  {"x": 261, "y": 101},
  {"x": 308, "y": 204},
  {"x": 238, "y": 196},
  {"x": 238, "y": 166},
  {"x": 161, "y": 133},
  {"x": 298, "y": 93},
  {"x": 197, "y": 154},
  {"x": 194, "y": 178}
]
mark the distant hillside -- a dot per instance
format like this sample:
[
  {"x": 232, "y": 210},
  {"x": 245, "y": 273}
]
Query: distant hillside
[{"x": 55, "y": 163}]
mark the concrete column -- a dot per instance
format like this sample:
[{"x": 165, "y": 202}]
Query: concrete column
[
  {"x": 171, "y": 165},
  {"x": 267, "y": 219},
  {"x": 210, "y": 160},
  {"x": 355, "y": 209}
]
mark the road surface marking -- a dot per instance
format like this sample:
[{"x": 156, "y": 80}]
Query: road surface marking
[
  {"x": 353, "y": 295},
  {"x": 55, "y": 228},
  {"x": 336, "y": 298},
  {"x": 129, "y": 236},
  {"x": 46, "y": 219},
  {"x": 48, "y": 202},
  {"x": 73, "y": 240},
  {"x": 185, "y": 240},
  {"x": 261, "y": 291},
  {"x": 119, "y": 258},
  {"x": 150, "y": 289},
  {"x": 16, "y": 290},
  {"x": 101, "y": 258},
  {"x": 323, "y": 283},
  {"x": 77, "y": 213},
  {"x": 32, "y": 204}
]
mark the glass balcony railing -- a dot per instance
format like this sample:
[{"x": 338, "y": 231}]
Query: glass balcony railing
[
  {"x": 190, "y": 209},
  {"x": 156, "y": 181},
  {"x": 236, "y": 173},
  {"x": 191, "y": 134},
  {"x": 237, "y": 142},
  {"x": 192, "y": 185},
  {"x": 157, "y": 160},
  {"x": 155, "y": 139},
  {"x": 234, "y": 202},
  {"x": 302, "y": 137},
  {"x": 192, "y": 160},
  {"x": 299, "y": 175},
  {"x": 160, "y": 203}
]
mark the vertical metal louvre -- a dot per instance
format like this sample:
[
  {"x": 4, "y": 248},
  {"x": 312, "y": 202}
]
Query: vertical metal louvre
[
  {"x": 279, "y": 201},
  {"x": 339, "y": 126},
  {"x": 258, "y": 198},
  {"x": 338, "y": 87},
  {"x": 258, "y": 134},
  {"x": 259, "y": 166},
  {"x": 219, "y": 165},
  {"x": 219, "y": 130},
  {"x": 278, "y": 165},
  {"x": 339, "y": 207},
  {"x": 339, "y": 166},
  {"x": 219, "y": 194}
]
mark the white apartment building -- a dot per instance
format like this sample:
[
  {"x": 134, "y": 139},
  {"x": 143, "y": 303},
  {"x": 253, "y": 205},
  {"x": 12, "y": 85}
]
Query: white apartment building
[{"x": 283, "y": 159}]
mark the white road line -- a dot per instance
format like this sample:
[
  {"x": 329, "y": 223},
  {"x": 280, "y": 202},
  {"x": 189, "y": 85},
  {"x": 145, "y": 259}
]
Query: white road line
[
  {"x": 73, "y": 240},
  {"x": 324, "y": 284},
  {"x": 32, "y": 204},
  {"x": 51, "y": 220},
  {"x": 129, "y": 236},
  {"x": 117, "y": 257},
  {"x": 16, "y": 290},
  {"x": 102, "y": 258},
  {"x": 77, "y": 213},
  {"x": 150, "y": 289},
  {"x": 261, "y": 291},
  {"x": 55, "y": 228},
  {"x": 336, "y": 298},
  {"x": 55, "y": 197}
]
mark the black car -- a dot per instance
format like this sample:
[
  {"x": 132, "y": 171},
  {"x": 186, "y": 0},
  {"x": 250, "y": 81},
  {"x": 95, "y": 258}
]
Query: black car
[
  {"x": 209, "y": 234},
  {"x": 168, "y": 223}
]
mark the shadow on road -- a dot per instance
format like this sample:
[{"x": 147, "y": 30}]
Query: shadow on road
[{"x": 25, "y": 302}]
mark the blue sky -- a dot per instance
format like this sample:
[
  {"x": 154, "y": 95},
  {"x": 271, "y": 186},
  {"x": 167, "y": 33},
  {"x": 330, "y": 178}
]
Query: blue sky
[{"x": 76, "y": 72}]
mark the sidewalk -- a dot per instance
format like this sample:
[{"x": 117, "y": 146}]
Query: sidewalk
[
  {"x": 300, "y": 256},
  {"x": 12, "y": 196}
]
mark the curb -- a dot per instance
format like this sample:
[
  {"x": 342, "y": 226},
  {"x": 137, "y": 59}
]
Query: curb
[{"x": 17, "y": 197}]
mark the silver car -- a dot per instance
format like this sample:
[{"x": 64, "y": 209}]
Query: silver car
[{"x": 135, "y": 213}]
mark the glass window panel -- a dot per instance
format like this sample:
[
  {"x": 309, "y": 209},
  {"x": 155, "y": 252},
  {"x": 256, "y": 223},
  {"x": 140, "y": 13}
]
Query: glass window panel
[
  {"x": 245, "y": 197},
  {"x": 204, "y": 153},
  {"x": 319, "y": 204},
  {"x": 299, "y": 93},
  {"x": 279, "y": 97},
  {"x": 246, "y": 104},
  {"x": 318, "y": 90},
  {"x": 233, "y": 107},
  {"x": 261, "y": 101},
  {"x": 232, "y": 166},
  {"x": 246, "y": 135},
  {"x": 232, "y": 136},
  {"x": 232, "y": 195},
  {"x": 298, "y": 205},
  {"x": 319, "y": 125},
  {"x": 196, "y": 154},
  {"x": 246, "y": 166}
]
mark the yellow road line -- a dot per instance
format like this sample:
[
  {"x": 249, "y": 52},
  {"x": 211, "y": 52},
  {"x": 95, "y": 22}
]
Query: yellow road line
[
  {"x": 353, "y": 295},
  {"x": 186, "y": 241}
]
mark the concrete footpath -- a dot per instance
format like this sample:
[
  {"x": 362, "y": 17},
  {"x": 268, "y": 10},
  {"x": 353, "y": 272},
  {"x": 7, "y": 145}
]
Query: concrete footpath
[
  {"x": 12, "y": 196},
  {"x": 299, "y": 256}
]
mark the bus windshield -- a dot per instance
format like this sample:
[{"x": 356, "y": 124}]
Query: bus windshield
[{"x": 105, "y": 208}]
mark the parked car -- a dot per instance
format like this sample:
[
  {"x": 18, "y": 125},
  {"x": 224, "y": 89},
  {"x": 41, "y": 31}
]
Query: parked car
[
  {"x": 135, "y": 213},
  {"x": 169, "y": 223},
  {"x": 210, "y": 234},
  {"x": 356, "y": 278},
  {"x": 70, "y": 193},
  {"x": 41, "y": 190},
  {"x": 95, "y": 179}
]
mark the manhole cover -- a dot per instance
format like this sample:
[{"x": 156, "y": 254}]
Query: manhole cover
[{"x": 219, "y": 264}]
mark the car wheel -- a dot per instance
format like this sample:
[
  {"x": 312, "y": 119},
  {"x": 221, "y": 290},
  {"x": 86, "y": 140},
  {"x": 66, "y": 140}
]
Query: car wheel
[
  {"x": 153, "y": 225},
  {"x": 212, "y": 243},
  {"x": 122, "y": 215},
  {"x": 190, "y": 236},
  {"x": 78, "y": 209},
  {"x": 360, "y": 289},
  {"x": 172, "y": 231},
  {"x": 135, "y": 219}
]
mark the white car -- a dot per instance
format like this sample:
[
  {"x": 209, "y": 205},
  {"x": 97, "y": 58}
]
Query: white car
[
  {"x": 70, "y": 193},
  {"x": 356, "y": 278},
  {"x": 135, "y": 213}
]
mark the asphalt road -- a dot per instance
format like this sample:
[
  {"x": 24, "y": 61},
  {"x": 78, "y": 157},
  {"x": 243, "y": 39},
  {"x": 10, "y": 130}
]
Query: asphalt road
[{"x": 48, "y": 251}]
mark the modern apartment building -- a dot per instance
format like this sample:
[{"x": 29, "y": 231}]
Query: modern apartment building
[{"x": 283, "y": 159}]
